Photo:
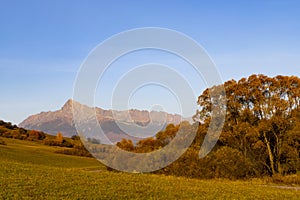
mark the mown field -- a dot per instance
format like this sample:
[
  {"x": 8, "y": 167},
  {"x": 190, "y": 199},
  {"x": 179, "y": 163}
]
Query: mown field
[{"x": 32, "y": 171}]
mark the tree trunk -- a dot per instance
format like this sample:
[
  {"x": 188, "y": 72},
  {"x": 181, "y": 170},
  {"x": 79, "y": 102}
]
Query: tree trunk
[{"x": 271, "y": 156}]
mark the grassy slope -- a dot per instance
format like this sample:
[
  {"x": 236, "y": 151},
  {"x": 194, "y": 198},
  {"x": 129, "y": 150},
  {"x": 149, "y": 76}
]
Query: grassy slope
[{"x": 33, "y": 171}]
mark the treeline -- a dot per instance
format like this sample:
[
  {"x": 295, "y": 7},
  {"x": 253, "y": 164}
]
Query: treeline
[
  {"x": 8, "y": 130},
  {"x": 73, "y": 145},
  {"x": 260, "y": 136}
]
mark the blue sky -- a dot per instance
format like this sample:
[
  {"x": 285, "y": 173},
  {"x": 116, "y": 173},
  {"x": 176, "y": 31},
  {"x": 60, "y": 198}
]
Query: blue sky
[{"x": 43, "y": 43}]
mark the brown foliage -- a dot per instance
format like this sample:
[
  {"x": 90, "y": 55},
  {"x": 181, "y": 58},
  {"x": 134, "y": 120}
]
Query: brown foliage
[{"x": 260, "y": 135}]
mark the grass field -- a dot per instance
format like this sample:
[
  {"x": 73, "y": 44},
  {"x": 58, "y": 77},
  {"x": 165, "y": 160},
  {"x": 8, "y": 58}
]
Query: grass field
[{"x": 32, "y": 171}]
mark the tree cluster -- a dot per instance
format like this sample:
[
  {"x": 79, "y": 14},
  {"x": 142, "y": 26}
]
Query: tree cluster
[{"x": 260, "y": 136}]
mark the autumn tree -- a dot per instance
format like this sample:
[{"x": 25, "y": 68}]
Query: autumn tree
[
  {"x": 260, "y": 135},
  {"x": 35, "y": 135},
  {"x": 126, "y": 145},
  {"x": 59, "y": 138},
  {"x": 259, "y": 114}
]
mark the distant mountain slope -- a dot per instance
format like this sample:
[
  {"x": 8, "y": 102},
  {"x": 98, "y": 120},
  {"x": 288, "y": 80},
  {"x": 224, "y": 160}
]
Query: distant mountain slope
[{"x": 62, "y": 120}]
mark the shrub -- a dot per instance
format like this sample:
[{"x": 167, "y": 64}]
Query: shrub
[
  {"x": 75, "y": 152},
  {"x": 229, "y": 163}
]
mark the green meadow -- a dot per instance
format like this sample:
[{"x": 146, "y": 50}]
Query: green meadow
[{"x": 33, "y": 171}]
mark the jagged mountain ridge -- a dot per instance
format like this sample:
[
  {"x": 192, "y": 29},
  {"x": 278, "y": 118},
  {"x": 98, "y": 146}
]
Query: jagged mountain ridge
[{"x": 62, "y": 120}]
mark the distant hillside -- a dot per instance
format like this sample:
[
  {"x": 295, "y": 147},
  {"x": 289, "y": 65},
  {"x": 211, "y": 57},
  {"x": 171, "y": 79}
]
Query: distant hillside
[
  {"x": 9, "y": 130},
  {"x": 62, "y": 120}
]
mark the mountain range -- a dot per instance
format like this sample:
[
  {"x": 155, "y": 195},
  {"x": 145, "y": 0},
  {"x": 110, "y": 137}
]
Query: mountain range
[{"x": 62, "y": 121}]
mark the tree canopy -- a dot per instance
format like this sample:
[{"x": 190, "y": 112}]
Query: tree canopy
[{"x": 260, "y": 136}]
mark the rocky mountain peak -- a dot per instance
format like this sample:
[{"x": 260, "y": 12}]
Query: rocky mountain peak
[
  {"x": 62, "y": 120},
  {"x": 68, "y": 105}
]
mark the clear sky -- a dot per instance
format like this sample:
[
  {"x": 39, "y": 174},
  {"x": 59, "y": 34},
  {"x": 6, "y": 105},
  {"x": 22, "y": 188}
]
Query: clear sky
[{"x": 43, "y": 43}]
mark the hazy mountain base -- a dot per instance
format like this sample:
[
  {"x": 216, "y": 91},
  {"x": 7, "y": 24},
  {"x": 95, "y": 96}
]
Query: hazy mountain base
[{"x": 62, "y": 120}]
